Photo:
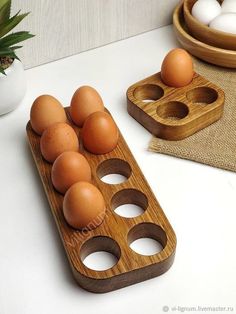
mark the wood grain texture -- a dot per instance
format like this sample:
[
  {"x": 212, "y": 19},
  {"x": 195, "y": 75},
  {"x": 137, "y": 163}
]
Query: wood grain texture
[
  {"x": 175, "y": 113},
  {"x": 217, "y": 56},
  {"x": 65, "y": 27},
  {"x": 116, "y": 232},
  {"x": 206, "y": 34}
]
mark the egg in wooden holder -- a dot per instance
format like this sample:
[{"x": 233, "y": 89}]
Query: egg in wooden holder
[
  {"x": 115, "y": 233},
  {"x": 175, "y": 113}
]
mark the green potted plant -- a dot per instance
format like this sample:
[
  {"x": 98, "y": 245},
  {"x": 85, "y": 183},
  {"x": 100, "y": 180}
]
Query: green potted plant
[{"x": 12, "y": 76}]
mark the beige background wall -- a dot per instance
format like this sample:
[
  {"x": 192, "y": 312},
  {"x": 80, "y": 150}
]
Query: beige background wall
[{"x": 66, "y": 27}]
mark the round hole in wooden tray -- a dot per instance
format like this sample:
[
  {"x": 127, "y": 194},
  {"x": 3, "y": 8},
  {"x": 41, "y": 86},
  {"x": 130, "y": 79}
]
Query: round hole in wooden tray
[
  {"x": 129, "y": 203},
  {"x": 114, "y": 171},
  {"x": 148, "y": 93},
  {"x": 202, "y": 95},
  {"x": 173, "y": 110},
  {"x": 147, "y": 239},
  {"x": 100, "y": 253}
]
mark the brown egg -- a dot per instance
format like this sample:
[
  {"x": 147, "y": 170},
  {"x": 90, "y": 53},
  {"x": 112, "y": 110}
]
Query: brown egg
[
  {"x": 84, "y": 206},
  {"x": 57, "y": 139},
  {"x": 45, "y": 111},
  {"x": 177, "y": 68},
  {"x": 69, "y": 168},
  {"x": 100, "y": 134},
  {"x": 85, "y": 101}
]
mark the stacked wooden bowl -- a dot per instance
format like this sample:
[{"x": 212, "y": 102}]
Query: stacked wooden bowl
[{"x": 210, "y": 45}]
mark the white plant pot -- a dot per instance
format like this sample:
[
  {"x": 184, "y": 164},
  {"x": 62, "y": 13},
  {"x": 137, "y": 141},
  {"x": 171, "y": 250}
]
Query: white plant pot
[{"x": 12, "y": 87}]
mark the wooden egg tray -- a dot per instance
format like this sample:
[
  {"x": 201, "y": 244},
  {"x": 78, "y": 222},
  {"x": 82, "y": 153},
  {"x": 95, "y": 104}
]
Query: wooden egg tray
[
  {"x": 175, "y": 113},
  {"x": 116, "y": 232}
]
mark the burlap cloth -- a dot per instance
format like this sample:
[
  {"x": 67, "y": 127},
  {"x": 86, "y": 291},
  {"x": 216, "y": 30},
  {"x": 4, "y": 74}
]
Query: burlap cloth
[{"x": 216, "y": 144}]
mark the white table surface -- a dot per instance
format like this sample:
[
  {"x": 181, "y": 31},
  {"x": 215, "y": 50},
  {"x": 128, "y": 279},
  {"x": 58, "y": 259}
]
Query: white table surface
[{"x": 199, "y": 201}]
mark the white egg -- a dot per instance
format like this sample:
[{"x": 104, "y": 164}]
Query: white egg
[
  {"x": 225, "y": 23},
  {"x": 229, "y": 6},
  {"x": 206, "y": 10}
]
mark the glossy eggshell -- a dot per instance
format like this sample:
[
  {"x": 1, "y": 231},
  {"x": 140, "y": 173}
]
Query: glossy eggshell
[
  {"x": 206, "y": 10},
  {"x": 225, "y": 23},
  {"x": 57, "y": 139},
  {"x": 45, "y": 111},
  {"x": 100, "y": 134},
  {"x": 69, "y": 168},
  {"x": 177, "y": 68},
  {"x": 84, "y": 102},
  {"x": 84, "y": 206},
  {"x": 229, "y": 6}
]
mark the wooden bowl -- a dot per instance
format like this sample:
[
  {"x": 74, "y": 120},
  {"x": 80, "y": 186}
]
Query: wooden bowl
[
  {"x": 206, "y": 34},
  {"x": 217, "y": 56}
]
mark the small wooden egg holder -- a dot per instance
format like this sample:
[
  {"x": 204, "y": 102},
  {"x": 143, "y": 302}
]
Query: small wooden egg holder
[
  {"x": 175, "y": 113},
  {"x": 115, "y": 233}
]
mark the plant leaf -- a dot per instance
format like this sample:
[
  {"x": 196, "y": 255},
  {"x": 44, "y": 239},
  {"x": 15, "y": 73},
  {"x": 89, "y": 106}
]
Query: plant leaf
[
  {"x": 15, "y": 47},
  {"x": 8, "y": 52},
  {"x": 14, "y": 56},
  {"x": 3, "y": 2},
  {"x": 5, "y": 52},
  {"x": 14, "y": 38},
  {"x": 7, "y": 26},
  {"x": 5, "y": 11}
]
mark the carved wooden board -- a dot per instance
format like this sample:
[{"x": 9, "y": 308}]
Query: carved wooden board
[
  {"x": 175, "y": 113},
  {"x": 116, "y": 232}
]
